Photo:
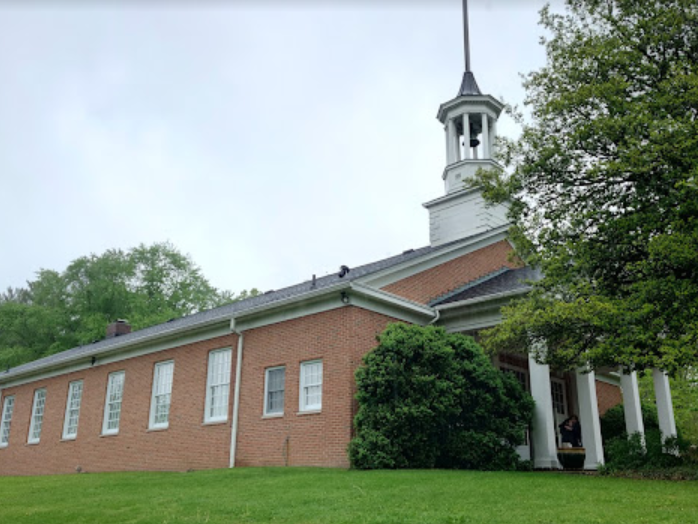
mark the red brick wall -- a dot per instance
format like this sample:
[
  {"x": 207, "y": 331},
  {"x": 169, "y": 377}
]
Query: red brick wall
[
  {"x": 430, "y": 284},
  {"x": 340, "y": 338},
  {"x": 187, "y": 443},
  {"x": 607, "y": 396}
]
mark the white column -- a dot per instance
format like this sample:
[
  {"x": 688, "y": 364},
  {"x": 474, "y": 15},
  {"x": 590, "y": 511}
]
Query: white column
[
  {"x": 466, "y": 136},
  {"x": 543, "y": 432},
  {"x": 589, "y": 419},
  {"x": 665, "y": 410},
  {"x": 493, "y": 137},
  {"x": 485, "y": 136},
  {"x": 451, "y": 143},
  {"x": 448, "y": 144},
  {"x": 631, "y": 404}
]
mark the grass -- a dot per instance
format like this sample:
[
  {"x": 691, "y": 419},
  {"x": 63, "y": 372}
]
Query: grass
[{"x": 290, "y": 495}]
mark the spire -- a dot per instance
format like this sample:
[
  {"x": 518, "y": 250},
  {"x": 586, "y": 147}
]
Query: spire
[{"x": 468, "y": 85}]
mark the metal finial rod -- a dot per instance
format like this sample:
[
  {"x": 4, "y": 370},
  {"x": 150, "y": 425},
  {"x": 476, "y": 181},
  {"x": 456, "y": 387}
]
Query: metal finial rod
[{"x": 466, "y": 36}]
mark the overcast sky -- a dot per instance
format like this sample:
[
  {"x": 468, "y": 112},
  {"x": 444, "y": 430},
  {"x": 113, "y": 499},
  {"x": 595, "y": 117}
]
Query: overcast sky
[{"x": 268, "y": 140}]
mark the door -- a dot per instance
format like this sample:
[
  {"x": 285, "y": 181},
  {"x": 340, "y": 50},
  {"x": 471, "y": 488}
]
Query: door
[{"x": 558, "y": 391}]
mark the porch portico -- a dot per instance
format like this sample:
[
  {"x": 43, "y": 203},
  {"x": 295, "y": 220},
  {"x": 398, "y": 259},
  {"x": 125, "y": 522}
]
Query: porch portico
[{"x": 557, "y": 395}]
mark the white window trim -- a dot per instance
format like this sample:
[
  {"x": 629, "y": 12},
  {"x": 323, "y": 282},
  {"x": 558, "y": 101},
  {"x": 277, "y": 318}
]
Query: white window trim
[
  {"x": 209, "y": 375},
  {"x": 105, "y": 419},
  {"x": 66, "y": 419},
  {"x": 32, "y": 424},
  {"x": 4, "y": 419},
  {"x": 312, "y": 408},
  {"x": 266, "y": 392},
  {"x": 151, "y": 423}
]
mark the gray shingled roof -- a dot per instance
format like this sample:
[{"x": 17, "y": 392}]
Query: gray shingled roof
[
  {"x": 501, "y": 281},
  {"x": 218, "y": 314}
]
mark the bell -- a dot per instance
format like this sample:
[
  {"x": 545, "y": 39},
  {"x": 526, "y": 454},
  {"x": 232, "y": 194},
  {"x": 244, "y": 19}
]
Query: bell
[{"x": 474, "y": 142}]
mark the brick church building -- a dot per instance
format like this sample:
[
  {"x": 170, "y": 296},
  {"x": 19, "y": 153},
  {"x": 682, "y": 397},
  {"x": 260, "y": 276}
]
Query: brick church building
[{"x": 269, "y": 381}]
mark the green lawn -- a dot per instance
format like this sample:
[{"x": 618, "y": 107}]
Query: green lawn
[{"x": 322, "y": 496}]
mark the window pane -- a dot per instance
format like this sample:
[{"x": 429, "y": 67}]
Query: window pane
[
  {"x": 112, "y": 408},
  {"x": 162, "y": 394},
  {"x": 70, "y": 428},
  {"x": 218, "y": 386},
  {"x": 7, "y": 411},
  {"x": 276, "y": 382},
  {"x": 37, "y": 415},
  {"x": 311, "y": 386}
]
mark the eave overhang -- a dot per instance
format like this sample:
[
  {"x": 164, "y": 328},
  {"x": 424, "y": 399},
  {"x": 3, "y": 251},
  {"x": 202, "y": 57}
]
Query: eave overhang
[{"x": 343, "y": 294}]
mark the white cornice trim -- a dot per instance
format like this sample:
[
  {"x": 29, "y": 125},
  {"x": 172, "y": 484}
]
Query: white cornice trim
[
  {"x": 357, "y": 294},
  {"x": 497, "y": 297},
  {"x": 113, "y": 355},
  {"x": 484, "y": 163},
  {"x": 394, "y": 300},
  {"x": 486, "y": 100},
  {"x": 611, "y": 377},
  {"x": 456, "y": 194},
  {"x": 320, "y": 300}
]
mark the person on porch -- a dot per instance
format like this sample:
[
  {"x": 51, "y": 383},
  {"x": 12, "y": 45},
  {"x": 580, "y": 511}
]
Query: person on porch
[{"x": 571, "y": 432}]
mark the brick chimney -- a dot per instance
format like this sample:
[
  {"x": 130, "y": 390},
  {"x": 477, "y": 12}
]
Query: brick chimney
[{"x": 118, "y": 328}]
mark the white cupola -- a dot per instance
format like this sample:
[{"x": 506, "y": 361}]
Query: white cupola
[{"x": 470, "y": 125}]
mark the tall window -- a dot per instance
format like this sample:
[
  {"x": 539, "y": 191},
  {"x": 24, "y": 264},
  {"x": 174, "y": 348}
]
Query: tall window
[
  {"x": 557, "y": 388},
  {"x": 112, "y": 404},
  {"x": 37, "y": 416},
  {"x": 274, "y": 384},
  {"x": 162, "y": 395},
  {"x": 72, "y": 410},
  {"x": 218, "y": 385},
  {"x": 7, "y": 409},
  {"x": 311, "y": 386}
]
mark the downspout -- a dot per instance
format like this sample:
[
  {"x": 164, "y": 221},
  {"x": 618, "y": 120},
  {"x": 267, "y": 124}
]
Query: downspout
[
  {"x": 236, "y": 400},
  {"x": 437, "y": 316}
]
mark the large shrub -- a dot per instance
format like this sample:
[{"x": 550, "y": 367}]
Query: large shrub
[
  {"x": 653, "y": 456},
  {"x": 428, "y": 399},
  {"x": 613, "y": 421}
]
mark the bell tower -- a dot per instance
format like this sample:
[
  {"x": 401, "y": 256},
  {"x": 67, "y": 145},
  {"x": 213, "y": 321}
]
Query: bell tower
[{"x": 470, "y": 125}]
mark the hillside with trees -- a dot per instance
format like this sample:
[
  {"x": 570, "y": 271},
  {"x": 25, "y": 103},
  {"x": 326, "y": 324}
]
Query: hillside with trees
[{"x": 146, "y": 285}]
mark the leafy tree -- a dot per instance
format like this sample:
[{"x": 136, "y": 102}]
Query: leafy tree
[
  {"x": 146, "y": 285},
  {"x": 428, "y": 399},
  {"x": 603, "y": 186},
  {"x": 15, "y": 294}
]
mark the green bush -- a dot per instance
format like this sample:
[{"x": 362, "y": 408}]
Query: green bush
[
  {"x": 428, "y": 399},
  {"x": 671, "y": 459},
  {"x": 613, "y": 421}
]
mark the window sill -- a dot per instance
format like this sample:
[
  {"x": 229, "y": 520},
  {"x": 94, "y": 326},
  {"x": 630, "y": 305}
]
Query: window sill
[
  {"x": 33, "y": 443},
  {"x": 215, "y": 423},
  {"x": 310, "y": 412},
  {"x": 68, "y": 439},
  {"x": 273, "y": 416},
  {"x": 104, "y": 435},
  {"x": 155, "y": 430}
]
